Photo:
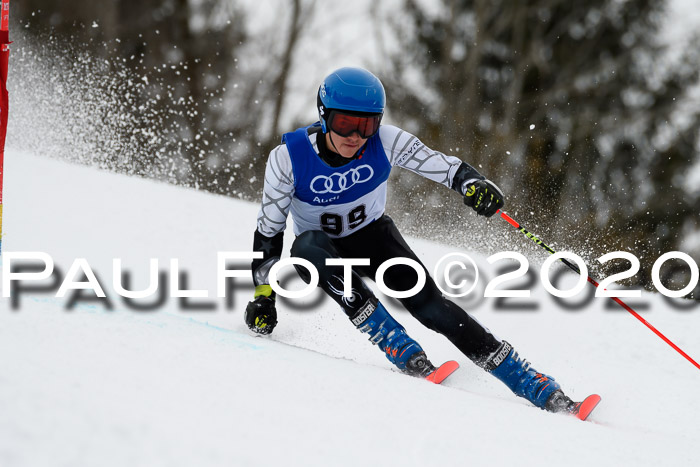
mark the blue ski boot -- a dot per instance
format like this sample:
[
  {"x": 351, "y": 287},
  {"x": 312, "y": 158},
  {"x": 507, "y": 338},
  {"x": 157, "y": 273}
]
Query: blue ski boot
[
  {"x": 524, "y": 381},
  {"x": 391, "y": 338}
]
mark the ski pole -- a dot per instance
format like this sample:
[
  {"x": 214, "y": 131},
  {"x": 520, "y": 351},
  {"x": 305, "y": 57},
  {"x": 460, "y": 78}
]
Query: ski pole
[{"x": 539, "y": 242}]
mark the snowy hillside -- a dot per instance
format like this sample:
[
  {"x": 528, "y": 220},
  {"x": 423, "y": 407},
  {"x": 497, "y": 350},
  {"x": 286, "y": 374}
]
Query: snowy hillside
[{"x": 103, "y": 383}]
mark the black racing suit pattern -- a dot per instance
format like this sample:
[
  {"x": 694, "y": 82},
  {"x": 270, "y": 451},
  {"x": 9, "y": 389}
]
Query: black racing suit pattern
[{"x": 381, "y": 241}]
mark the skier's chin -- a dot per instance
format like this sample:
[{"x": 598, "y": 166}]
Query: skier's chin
[{"x": 349, "y": 150}]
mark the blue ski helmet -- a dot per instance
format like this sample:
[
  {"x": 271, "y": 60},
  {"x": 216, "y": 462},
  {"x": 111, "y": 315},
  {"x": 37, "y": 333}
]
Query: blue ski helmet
[{"x": 352, "y": 90}]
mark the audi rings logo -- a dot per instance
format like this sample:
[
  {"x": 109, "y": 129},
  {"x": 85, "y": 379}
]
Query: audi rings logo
[{"x": 339, "y": 182}]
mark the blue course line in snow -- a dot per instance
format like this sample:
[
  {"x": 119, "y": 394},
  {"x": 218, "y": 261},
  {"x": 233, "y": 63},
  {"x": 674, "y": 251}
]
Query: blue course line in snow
[{"x": 236, "y": 336}]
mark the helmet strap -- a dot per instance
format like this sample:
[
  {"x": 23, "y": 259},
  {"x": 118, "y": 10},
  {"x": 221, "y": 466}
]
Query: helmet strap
[
  {"x": 359, "y": 152},
  {"x": 330, "y": 136}
]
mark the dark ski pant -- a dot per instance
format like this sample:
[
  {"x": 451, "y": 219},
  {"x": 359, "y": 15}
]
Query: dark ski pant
[{"x": 381, "y": 241}]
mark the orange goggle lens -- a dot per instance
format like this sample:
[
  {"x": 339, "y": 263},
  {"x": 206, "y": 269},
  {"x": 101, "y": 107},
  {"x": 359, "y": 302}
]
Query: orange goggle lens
[{"x": 346, "y": 125}]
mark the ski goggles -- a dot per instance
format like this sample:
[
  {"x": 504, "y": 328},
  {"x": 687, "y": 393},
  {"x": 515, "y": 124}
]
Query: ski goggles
[{"x": 346, "y": 124}]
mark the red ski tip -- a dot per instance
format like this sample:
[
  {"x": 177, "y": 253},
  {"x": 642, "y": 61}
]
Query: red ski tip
[
  {"x": 442, "y": 372},
  {"x": 583, "y": 409}
]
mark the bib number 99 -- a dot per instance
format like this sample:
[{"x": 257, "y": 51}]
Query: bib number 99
[{"x": 333, "y": 223}]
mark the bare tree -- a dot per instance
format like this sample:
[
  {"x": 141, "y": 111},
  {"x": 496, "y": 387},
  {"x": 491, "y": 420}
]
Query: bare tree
[{"x": 563, "y": 104}]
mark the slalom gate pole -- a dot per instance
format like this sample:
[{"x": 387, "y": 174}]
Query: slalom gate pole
[
  {"x": 4, "y": 61},
  {"x": 539, "y": 242}
]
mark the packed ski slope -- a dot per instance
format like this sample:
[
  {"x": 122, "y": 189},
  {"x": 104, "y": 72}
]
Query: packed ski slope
[{"x": 106, "y": 384}]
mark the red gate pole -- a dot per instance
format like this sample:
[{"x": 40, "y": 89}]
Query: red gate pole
[{"x": 4, "y": 60}]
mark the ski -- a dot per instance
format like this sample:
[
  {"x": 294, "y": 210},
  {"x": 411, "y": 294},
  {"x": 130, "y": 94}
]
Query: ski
[
  {"x": 439, "y": 375},
  {"x": 583, "y": 409},
  {"x": 442, "y": 372}
]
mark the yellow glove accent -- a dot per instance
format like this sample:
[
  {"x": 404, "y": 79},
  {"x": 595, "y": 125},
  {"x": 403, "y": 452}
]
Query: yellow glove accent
[
  {"x": 264, "y": 290},
  {"x": 260, "y": 323}
]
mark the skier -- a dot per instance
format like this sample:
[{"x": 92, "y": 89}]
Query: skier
[{"x": 332, "y": 176}]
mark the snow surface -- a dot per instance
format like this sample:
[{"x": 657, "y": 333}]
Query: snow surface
[{"x": 174, "y": 386}]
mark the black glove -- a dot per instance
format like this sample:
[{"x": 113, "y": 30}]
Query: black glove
[
  {"x": 261, "y": 315},
  {"x": 484, "y": 197}
]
